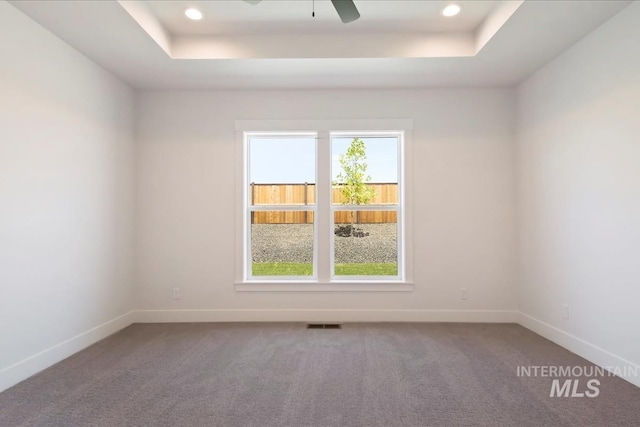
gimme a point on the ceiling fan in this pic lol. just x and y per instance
(346, 9)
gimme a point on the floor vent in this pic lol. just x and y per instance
(324, 326)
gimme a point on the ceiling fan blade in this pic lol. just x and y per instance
(346, 10)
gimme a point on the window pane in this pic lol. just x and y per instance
(282, 243)
(381, 194)
(365, 243)
(282, 194)
(282, 170)
(364, 170)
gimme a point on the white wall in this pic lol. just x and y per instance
(578, 169)
(66, 198)
(463, 199)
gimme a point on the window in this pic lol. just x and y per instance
(323, 206)
(281, 206)
(364, 205)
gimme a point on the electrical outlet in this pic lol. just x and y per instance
(464, 294)
(565, 311)
(176, 293)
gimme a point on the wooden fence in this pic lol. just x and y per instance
(304, 195)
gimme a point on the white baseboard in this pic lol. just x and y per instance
(19, 371)
(582, 348)
(326, 316)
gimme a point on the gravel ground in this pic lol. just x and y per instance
(294, 243)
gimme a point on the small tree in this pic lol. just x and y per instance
(353, 179)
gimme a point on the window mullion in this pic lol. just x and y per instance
(323, 194)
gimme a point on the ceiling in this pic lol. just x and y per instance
(278, 45)
(287, 17)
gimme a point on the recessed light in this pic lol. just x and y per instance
(194, 14)
(451, 10)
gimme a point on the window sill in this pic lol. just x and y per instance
(324, 287)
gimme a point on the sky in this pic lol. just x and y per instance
(292, 160)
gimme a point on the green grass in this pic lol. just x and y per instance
(299, 269)
(369, 269)
(282, 269)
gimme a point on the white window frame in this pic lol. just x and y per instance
(323, 278)
(249, 208)
(372, 207)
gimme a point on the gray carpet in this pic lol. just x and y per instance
(285, 375)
